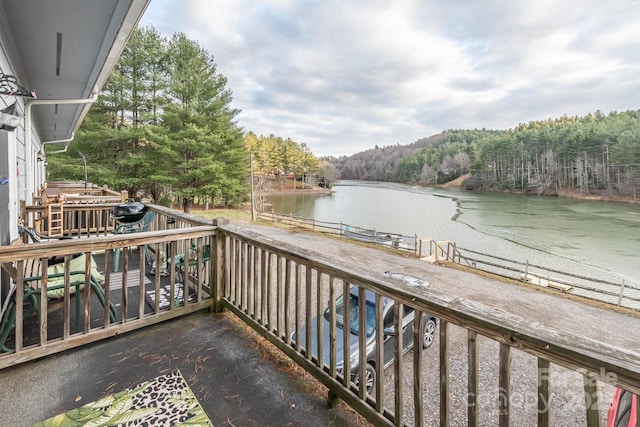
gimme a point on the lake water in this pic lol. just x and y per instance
(590, 238)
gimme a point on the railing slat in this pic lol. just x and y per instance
(141, 278)
(362, 343)
(591, 401)
(107, 287)
(544, 411)
(244, 286)
(156, 286)
(66, 315)
(504, 385)
(264, 286)
(444, 374)
(44, 324)
(418, 382)
(19, 328)
(86, 293)
(279, 300)
(124, 304)
(473, 389)
(254, 280)
(332, 328)
(398, 383)
(173, 250)
(235, 270)
(297, 301)
(308, 312)
(319, 311)
(218, 266)
(287, 301)
(345, 337)
(379, 354)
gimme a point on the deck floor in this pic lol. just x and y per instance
(235, 380)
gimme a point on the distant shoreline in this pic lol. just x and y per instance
(457, 184)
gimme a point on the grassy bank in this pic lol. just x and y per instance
(240, 214)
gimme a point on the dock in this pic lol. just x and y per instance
(547, 282)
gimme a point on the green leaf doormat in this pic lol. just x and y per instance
(164, 401)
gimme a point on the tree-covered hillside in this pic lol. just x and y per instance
(594, 153)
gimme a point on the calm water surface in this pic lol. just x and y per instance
(591, 238)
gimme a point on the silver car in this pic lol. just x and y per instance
(428, 328)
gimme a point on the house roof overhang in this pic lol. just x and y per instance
(65, 49)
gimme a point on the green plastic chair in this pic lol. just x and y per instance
(134, 227)
(201, 259)
(55, 291)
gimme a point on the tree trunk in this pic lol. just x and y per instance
(186, 205)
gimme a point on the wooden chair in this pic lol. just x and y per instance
(134, 227)
(32, 292)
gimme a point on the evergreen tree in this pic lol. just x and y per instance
(163, 126)
(207, 150)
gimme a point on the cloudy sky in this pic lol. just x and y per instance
(343, 76)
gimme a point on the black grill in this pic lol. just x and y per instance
(129, 212)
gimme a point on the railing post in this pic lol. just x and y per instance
(218, 266)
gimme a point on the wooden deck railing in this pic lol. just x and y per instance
(77, 220)
(278, 289)
(111, 302)
(78, 192)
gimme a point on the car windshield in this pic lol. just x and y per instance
(354, 315)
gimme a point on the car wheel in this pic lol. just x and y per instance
(428, 333)
(369, 379)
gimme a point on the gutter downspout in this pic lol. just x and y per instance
(59, 141)
(29, 190)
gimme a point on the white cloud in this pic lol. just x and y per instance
(343, 76)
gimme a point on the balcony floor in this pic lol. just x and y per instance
(235, 380)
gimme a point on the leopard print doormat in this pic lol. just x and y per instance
(164, 401)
